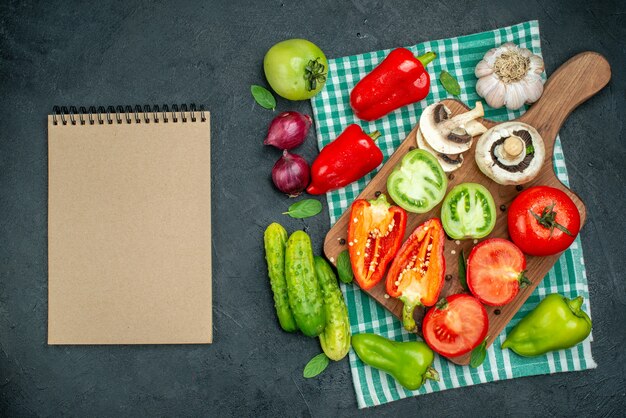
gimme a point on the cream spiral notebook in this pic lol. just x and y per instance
(129, 225)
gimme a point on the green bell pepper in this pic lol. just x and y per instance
(408, 362)
(555, 324)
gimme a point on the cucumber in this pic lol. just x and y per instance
(305, 295)
(335, 340)
(275, 239)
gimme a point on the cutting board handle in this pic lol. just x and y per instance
(572, 83)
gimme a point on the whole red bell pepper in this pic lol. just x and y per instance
(400, 79)
(348, 158)
(375, 232)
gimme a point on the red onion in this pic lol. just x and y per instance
(291, 174)
(288, 130)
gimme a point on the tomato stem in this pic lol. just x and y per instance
(547, 219)
(314, 72)
(523, 280)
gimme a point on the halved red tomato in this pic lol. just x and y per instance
(417, 273)
(456, 325)
(495, 271)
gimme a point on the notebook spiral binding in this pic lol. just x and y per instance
(126, 114)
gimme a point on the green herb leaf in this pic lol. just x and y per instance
(478, 355)
(449, 83)
(315, 366)
(263, 97)
(463, 270)
(304, 209)
(344, 268)
(530, 149)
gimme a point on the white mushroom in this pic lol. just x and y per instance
(449, 163)
(473, 127)
(510, 153)
(445, 134)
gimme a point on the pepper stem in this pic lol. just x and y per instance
(407, 318)
(575, 304)
(374, 135)
(427, 58)
(431, 374)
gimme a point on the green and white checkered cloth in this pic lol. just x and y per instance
(332, 112)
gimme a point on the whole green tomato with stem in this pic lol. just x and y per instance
(296, 69)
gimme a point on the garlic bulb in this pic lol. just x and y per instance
(509, 76)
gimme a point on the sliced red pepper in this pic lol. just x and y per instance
(400, 79)
(416, 275)
(348, 158)
(374, 236)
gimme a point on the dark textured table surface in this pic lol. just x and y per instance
(211, 52)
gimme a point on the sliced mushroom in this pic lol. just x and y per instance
(473, 127)
(449, 163)
(445, 134)
(510, 153)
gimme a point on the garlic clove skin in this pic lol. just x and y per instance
(483, 69)
(509, 46)
(536, 64)
(490, 56)
(525, 52)
(486, 84)
(533, 86)
(496, 97)
(515, 96)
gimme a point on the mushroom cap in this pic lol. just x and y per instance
(436, 136)
(488, 147)
(447, 166)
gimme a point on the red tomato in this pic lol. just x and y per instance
(456, 325)
(543, 221)
(495, 271)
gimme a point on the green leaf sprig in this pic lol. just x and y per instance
(344, 267)
(449, 83)
(304, 209)
(316, 366)
(478, 355)
(463, 270)
(263, 97)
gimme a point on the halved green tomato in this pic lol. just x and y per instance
(418, 183)
(468, 211)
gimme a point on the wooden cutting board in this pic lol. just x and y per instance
(574, 82)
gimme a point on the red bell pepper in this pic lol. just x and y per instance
(400, 79)
(416, 275)
(348, 158)
(375, 232)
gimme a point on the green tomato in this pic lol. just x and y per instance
(418, 183)
(468, 211)
(296, 69)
